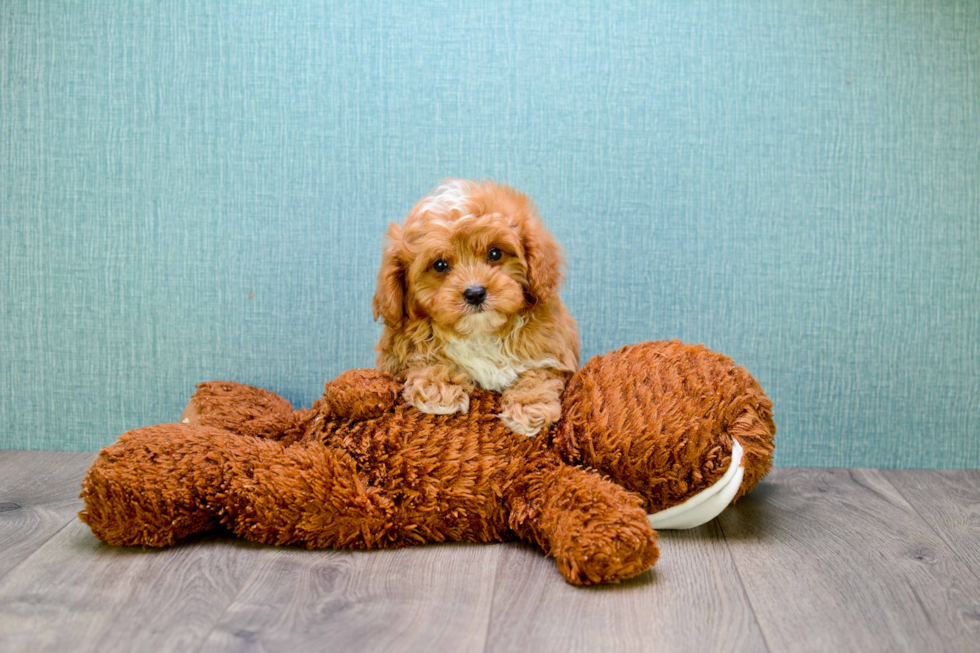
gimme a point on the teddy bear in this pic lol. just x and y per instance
(657, 434)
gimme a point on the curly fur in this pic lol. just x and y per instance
(641, 429)
(703, 401)
(444, 347)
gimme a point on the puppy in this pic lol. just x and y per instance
(468, 293)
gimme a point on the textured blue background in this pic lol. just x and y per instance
(198, 190)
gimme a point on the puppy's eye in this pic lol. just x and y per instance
(440, 266)
(494, 254)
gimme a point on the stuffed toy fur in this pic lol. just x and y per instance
(656, 433)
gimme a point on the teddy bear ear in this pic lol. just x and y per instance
(389, 296)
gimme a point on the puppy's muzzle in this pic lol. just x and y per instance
(475, 295)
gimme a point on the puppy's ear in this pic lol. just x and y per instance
(389, 297)
(544, 260)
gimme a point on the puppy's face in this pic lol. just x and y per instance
(469, 257)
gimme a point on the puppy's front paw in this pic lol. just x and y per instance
(529, 419)
(435, 397)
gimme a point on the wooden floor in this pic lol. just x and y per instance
(814, 559)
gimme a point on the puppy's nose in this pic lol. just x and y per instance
(474, 295)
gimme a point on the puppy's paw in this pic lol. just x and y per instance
(531, 418)
(436, 397)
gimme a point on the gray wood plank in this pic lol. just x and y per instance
(949, 501)
(76, 593)
(829, 559)
(428, 598)
(838, 560)
(38, 496)
(691, 600)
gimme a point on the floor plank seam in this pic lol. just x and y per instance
(217, 621)
(949, 545)
(493, 599)
(38, 547)
(745, 591)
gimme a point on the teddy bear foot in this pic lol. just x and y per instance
(140, 492)
(595, 560)
(596, 531)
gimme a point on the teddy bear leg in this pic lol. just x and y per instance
(150, 488)
(159, 484)
(306, 494)
(596, 530)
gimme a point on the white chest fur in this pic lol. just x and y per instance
(489, 363)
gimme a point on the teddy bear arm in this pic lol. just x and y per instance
(596, 530)
(242, 409)
(359, 394)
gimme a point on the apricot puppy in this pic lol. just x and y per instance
(468, 292)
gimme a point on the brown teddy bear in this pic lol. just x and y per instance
(661, 427)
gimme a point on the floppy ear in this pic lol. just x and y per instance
(389, 297)
(544, 260)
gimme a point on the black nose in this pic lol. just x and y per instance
(474, 295)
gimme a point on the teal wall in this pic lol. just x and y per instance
(198, 190)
